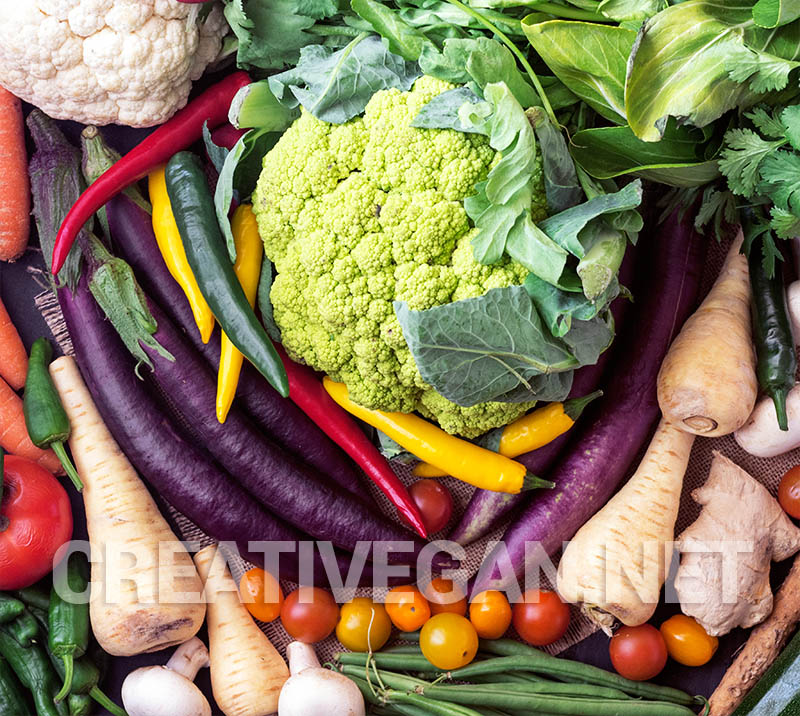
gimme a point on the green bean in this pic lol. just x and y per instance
(402, 649)
(388, 660)
(517, 678)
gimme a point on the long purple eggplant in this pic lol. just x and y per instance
(132, 230)
(615, 428)
(487, 509)
(183, 474)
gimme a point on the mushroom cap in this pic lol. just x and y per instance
(159, 691)
(320, 692)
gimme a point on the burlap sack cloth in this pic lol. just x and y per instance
(768, 471)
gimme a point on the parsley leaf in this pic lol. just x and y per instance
(741, 159)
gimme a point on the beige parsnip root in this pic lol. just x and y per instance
(723, 578)
(616, 564)
(707, 383)
(247, 672)
(763, 646)
(146, 593)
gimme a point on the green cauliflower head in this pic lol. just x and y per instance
(357, 215)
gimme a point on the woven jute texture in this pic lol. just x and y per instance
(768, 471)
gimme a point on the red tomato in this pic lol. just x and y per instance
(35, 519)
(789, 492)
(638, 653)
(541, 617)
(435, 503)
(309, 614)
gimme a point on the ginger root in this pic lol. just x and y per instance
(723, 578)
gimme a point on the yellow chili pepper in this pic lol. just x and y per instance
(531, 431)
(461, 459)
(171, 248)
(249, 253)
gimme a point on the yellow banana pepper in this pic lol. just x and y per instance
(461, 459)
(249, 254)
(171, 247)
(530, 432)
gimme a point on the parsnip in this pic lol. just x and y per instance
(707, 383)
(146, 593)
(247, 672)
(761, 436)
(616, 564)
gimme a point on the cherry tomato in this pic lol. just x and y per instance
(444, 596)
(407, 608)
(490, 614)
(435, 503)
(638, 653)
(789, 492)
(261, 594)
(363, 625)
(448, 641)
(35, 518)
(540, 618)
(309, 614)
(687, 642)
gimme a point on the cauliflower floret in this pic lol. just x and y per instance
(106, 61)
(357, 215)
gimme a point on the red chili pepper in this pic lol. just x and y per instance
(227, 135)
(306, 390)
(177, 134)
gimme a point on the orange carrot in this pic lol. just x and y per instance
(15, 207)
(14, 435)
(13, 358)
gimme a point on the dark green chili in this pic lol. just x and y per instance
(79, 705)
(68, 622)
(10, 608)
(45, 417)
(12, 697)
(23, 628)
(193, 207)
(772, 333)
(34, 596)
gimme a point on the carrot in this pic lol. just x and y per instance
(247, 672)
(149, 592)
(707, 384)
(15, 190)
(616, 564)
(13, 358)
(14, 435)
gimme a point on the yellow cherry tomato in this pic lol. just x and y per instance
(448, 641)
(444, 596)
(261, 594)
(407, 608)
(490, 614)
(363, 625)
(687, 642)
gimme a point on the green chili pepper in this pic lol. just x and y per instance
(45, 417)
(35, 673)
(34, 596)
(68, 623)
(12, 698)
(79, 705)
(772, 333)
(23, 629)
(10, 608)
(193, 208)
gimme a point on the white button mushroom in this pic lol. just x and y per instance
(169, 690)
(314, 691)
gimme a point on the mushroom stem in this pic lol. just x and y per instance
(189, 658)
(301, 657)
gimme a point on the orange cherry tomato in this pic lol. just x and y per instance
(407, 608)
(261, 594)
(541, 617)
(687, 642)
(789, 492)
(448, 641)
(638, 653)
(309, 614)
(444, 596)
(490, 614)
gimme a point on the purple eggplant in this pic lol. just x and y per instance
(487, 509)
(615, 429)
(132, 232)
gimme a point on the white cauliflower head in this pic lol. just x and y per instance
(106, 61)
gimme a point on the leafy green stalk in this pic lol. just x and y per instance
(599, 267)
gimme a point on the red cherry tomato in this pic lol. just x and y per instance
(541, 617)
(435, 503)
(309, 614)
(789, 492)
(35, 519)
(638, 653)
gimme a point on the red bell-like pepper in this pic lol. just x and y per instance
(306, 390)
(177, 134)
